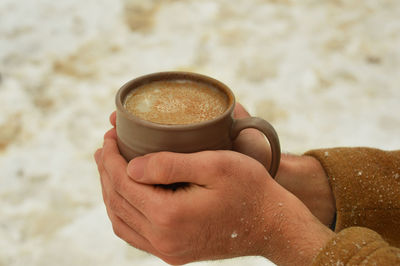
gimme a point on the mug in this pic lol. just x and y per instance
(136, 136)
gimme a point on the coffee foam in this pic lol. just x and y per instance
(176, 102)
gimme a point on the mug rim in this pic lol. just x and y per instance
(173, 75)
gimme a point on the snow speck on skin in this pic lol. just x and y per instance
(234, 234)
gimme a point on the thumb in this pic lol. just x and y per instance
(201, 168)
(113, 118)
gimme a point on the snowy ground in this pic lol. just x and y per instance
(325, 73)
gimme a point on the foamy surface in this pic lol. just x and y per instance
(324, 73)
(176, 102)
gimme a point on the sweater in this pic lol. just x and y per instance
(366, 187)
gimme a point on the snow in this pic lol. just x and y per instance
(234, 234)
(324, 74)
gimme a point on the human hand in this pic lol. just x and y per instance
(230, 207)
(301, 175)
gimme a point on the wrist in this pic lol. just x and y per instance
(296, 236)
(309, 238)
(306, 179)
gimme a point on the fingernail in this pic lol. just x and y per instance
(136, 168)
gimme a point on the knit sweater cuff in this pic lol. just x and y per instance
(365, 183)
(357, 246)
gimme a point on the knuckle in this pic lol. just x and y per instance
(117, 230)
(169, 247)
(163, 167)
(168, 239)
(106, 156)
(121, 209)
(115, 177)
(168, 217)
(126, 216)
(114, 203)
(116, 182)
(225, 166)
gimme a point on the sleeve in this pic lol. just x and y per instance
(357, 246)
(366, 186)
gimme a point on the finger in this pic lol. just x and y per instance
(202, 168)
(104, 194)
(248, 135)
(138, 195)
(120, 207)
(101, 171)
(123, 209)
(97, 156)
(126, 233)
(114, 164)
(113, 118)
(251, 141)
(112, 133)
(102, 177)
(240, 111)
(254, 145)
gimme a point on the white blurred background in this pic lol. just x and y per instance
(325, 73)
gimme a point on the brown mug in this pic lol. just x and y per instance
(137, 136)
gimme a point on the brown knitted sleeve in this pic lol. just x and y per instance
(366, 186)
(357, 246)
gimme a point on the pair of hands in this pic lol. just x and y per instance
(230, 206)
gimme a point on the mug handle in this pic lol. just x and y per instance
(267, 129)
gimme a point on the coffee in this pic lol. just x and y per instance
(176, 102)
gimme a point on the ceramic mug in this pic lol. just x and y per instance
(137, 136)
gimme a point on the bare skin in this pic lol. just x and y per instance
(231, 207)
(301, 175)
(306, 179)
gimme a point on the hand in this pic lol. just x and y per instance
(301, 175)
(230, 207)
